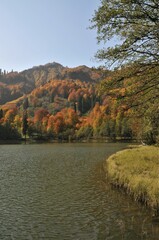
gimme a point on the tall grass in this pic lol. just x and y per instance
(137, 171)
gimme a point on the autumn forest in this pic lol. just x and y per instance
(53, 102)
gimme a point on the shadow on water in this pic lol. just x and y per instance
(124, 220)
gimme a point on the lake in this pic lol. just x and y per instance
(59, 191)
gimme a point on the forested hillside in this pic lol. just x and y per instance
(53, 102)
(14, 85)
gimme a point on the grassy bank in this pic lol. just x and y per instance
(137, 171)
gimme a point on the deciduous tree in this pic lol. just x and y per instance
(135, 23)
(135, 26)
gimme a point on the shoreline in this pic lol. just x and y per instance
(135, 171)
(90, 140)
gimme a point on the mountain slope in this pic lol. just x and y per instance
(14, 85)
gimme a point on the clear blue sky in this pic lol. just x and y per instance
(36, 32)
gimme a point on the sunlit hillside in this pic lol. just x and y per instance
(14, 85)
(56, 102)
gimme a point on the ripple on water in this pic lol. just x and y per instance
(59, 191)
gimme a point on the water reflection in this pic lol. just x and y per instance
(60, 191)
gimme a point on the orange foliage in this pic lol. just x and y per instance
(40, 114)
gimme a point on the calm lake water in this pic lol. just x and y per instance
(59, 191)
